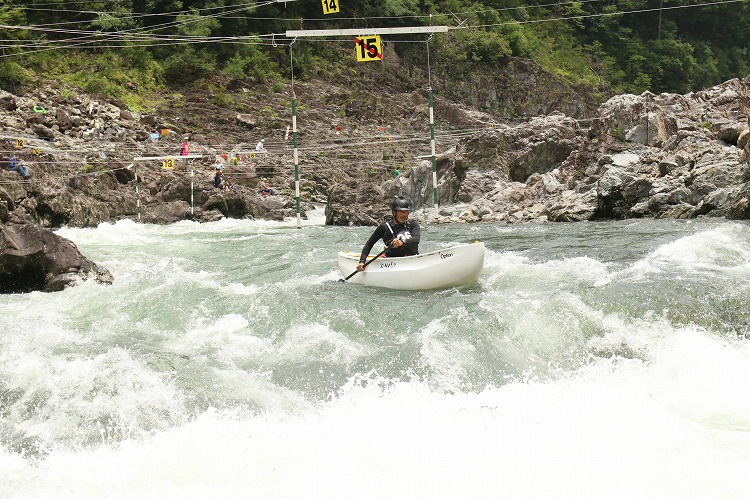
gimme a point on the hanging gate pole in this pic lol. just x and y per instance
(296, 161)
(432, 133)
(192, 188)
(294, 139)
(137, 192)
(432, 149)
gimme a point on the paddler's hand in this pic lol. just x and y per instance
(361, 267)
(397, 243)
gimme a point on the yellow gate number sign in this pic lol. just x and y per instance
(167, 164)
(368, 49)
(19, 143)
(330, 6)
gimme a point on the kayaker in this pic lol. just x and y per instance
(401, 235)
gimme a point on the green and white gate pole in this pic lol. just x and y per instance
(432, 149)
(296, 161)
(192, 188)
(137, 192)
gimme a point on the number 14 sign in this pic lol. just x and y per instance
(330, 6)
(368, 49)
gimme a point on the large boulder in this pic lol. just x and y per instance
(37, 259)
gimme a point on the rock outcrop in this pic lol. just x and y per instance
(655, 156)
(92, 161)
(37, 259)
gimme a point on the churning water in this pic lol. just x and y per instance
(590, 360)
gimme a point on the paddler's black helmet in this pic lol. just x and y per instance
(400, 204)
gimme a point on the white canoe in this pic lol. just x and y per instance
(437, 269)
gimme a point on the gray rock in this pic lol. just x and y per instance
(37, 259)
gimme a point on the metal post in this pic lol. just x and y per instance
(296, 161)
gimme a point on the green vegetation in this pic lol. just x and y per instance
(89, 168)
(128, 48)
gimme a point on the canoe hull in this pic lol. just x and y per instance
(443, 268)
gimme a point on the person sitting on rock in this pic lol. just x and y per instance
(15, 165)
(263, 188)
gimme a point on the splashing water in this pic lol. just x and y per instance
(589, 360)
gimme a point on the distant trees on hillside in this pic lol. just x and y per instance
(630, 45)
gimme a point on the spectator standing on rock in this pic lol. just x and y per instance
(218, 178)
(98, 127)
(185, 148)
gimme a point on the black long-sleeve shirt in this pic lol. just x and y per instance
(409, 232)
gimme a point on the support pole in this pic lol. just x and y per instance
(192, 188)
(296, 161)
(432, 149)
(137, 192)
(361, 32)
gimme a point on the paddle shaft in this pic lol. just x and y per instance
(368, 262)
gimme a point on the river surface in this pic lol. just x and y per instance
(590, 360)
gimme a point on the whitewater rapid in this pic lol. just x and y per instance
(589, 360)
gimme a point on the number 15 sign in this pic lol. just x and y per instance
(368, 49)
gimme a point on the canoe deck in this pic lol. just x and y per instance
(441, 268)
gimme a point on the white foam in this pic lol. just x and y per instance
(625, 427)
(556, 378)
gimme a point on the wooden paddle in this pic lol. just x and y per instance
(366, 264)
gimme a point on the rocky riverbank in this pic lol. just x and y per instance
(653, 156)
(92, 160)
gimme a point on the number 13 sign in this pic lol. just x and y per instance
(368, 49)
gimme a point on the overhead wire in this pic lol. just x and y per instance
(608, 14)
(128, 34)
(149, 36)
